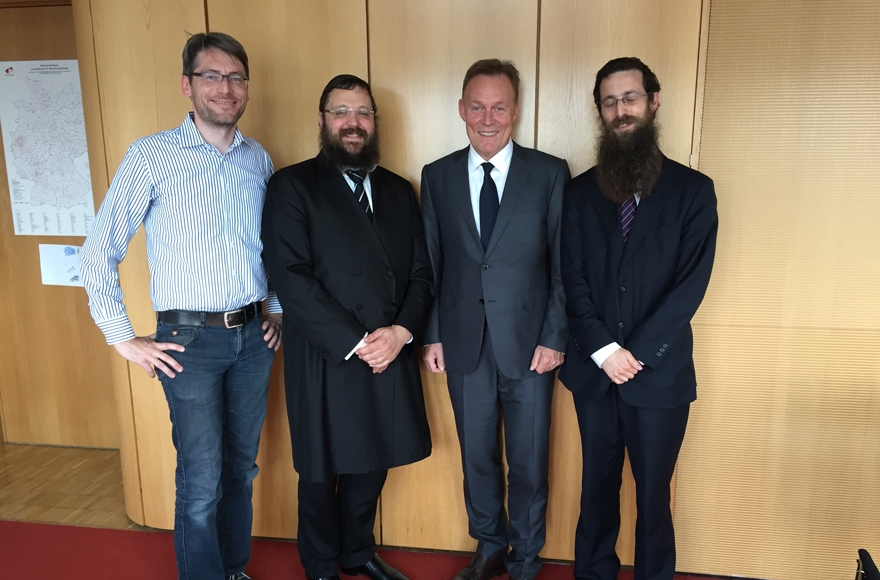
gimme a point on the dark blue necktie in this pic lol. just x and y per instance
(488, 205)
(360, 193)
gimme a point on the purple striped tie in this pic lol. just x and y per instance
(627, 215)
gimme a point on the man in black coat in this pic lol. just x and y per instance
(345, 250)
(638, 243)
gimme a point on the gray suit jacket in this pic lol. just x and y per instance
(515, 286)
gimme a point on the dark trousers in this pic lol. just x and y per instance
(477, 401)
(336, 520)
(653, 439)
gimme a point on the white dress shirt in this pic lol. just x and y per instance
(201, 210)
(501, 161)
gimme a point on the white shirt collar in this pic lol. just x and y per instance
(500, 160)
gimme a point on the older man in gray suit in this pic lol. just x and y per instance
(492, 216)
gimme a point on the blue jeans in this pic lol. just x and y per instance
(217, 405)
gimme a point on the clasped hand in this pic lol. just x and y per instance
(382, 346)
(621, 366)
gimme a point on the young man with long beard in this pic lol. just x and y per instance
(346, 252)
(638, 243)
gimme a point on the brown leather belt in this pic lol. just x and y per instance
(231, 319)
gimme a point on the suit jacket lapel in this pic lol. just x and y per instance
(384, 209)
(610, 219)
(648, 211)
(461, 188)
(338, 191)
(513, 189)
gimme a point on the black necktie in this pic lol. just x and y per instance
(488, 205)
(360, 193)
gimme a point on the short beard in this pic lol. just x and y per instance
(366, 159)
(628, 163)
(214, 121)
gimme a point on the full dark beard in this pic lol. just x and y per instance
(628, 163)
(366, 159)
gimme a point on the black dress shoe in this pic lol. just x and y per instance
(375, 569)
(484, 567)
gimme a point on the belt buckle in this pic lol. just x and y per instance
(233, 312)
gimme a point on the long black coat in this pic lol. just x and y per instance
(339, 276)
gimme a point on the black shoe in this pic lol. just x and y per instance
(375, 569)
(484, 567)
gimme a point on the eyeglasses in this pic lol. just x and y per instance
(216, 78)
(342, 112)
(627, 99)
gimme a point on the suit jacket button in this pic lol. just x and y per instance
(357, 272)
(619, 325)
(623, 288)
(659, 354)
(485, 266)
(662, 350)
(390, 272)
(482, 301)
(359, 306)
(665, 346)
(392, 305)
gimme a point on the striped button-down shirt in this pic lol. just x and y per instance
(201, 212)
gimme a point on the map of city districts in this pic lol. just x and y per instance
(45, 144)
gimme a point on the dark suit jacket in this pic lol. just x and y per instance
(338, 276)
(515, 285)
(643, 294)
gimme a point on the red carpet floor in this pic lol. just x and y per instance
(46, 551)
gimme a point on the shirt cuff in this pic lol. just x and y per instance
(408, 340)
(361, 344)
(272, 304)
(116, 329)
(603, 353)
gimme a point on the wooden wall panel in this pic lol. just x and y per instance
(33, 3)
(780, 474)
(419, 52)
(577, 38)
(295, 47)
(57, 386)
(137, 50)
(116, 367)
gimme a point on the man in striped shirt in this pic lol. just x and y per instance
(199, 191)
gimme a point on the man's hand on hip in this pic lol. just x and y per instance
(383, 346)
(434, 357)
(545, 359)
(148, 353)
(272, 326)
(621, 366)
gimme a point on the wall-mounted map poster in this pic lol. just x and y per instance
(44, 141)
